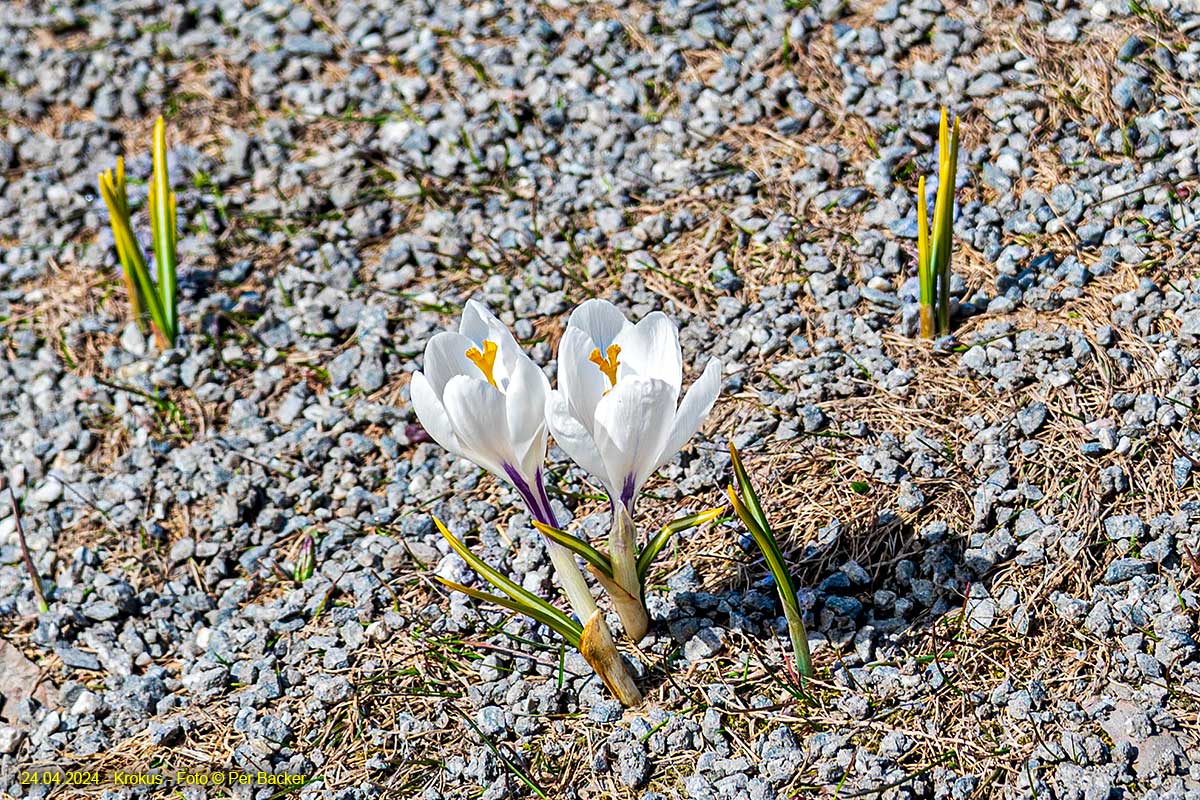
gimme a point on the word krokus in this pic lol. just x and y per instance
(217, 778)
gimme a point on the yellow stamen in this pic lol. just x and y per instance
(607, 365)
(486, 361)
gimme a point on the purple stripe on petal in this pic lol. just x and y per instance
(522, 487)
(541, 487)
(627, 493)
(533, 499)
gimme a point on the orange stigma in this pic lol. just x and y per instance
(486, 361)
(607, 365)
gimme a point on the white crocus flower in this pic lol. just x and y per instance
(617, 414)
(482, 398)
(616, 411)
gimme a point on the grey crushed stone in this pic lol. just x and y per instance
(528, 149)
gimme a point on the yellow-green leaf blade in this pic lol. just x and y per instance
(577, 546)
(502, 582)
(660, 539)
(571, 632)
(746, 489)
(924, 273)
(783, 582)
(162, 221)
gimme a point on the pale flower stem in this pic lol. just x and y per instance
(621, 541)
(579, 595)
(596, 644)
(630, 606)
(572, 581)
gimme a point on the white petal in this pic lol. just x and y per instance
(651, 349)
(445, 357)
(432, 413)
(479, 324)
(632, 424)
(477, 412)
(575, 440)
(535, 457)
(694, 409)
(600, 320)
(525, 409)
(579, 378)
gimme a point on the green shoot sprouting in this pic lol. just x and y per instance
(156, 296)
(933, 252)
(750, 511)
(306, 560)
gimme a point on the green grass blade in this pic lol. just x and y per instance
(571, 633)
(508, 763)
(660, 539)
(936, 254)
(577, 546)
(926, 279)
(153, 304)
(171, 301)
(504, 584)
(112, 189)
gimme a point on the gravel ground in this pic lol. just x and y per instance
(998, 533)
